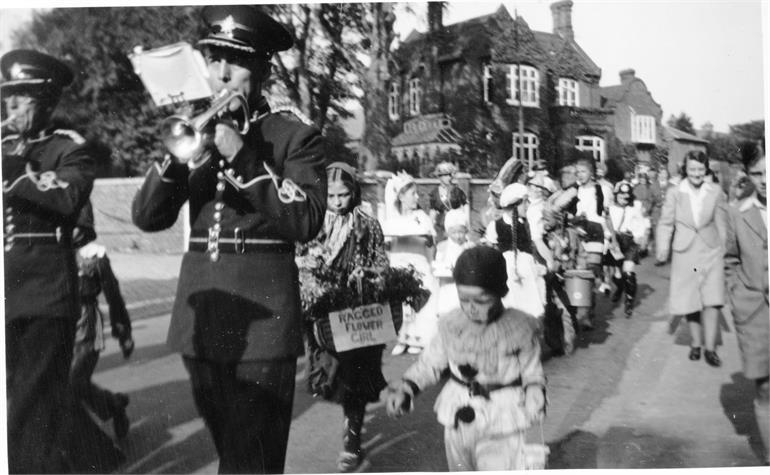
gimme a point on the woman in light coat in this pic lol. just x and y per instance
(692, 228)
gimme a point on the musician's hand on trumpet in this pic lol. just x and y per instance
(227, 140)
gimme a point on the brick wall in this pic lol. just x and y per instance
(112, 197)
(111, 200)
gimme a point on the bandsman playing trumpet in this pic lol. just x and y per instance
(236, 318)
(47, 179)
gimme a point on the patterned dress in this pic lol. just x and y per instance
(357, 242)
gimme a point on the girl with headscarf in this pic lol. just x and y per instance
(411, 235)
(353, 245)
(447, 251)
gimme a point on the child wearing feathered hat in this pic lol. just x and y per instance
(410, 233)
(496, 386)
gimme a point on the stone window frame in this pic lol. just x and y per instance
(394, 101)
(530, 83)
(642, 128)
(486, 82)
(566, 87)
(415, 95)
(530, 147)
(597, 146)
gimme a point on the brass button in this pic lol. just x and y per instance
(220, 186)
(219, 206)
(9, 228)
(220, 176)
(214, 256)
(217, 216)
(217, 227)
(9, 219)
(221, 164)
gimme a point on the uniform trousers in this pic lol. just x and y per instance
(247, 408)
(470, 449)
(38, 355)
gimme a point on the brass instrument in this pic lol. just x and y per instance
(7, 121)
(184, 136)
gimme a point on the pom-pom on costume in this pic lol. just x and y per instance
(482, 405)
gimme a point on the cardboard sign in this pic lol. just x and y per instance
(363, 326)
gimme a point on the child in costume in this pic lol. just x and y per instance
(447, 251)
(496, 388)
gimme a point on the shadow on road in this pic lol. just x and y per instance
(620, 447)
(737, 401)
(170, 442)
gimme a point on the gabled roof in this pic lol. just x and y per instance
(613, 93)
(677, 134)
(453, 39)
(537, 46)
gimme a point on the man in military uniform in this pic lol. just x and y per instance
(236, 318)
(47, 178)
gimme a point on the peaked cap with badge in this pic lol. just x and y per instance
(246, 28)
(30, 69)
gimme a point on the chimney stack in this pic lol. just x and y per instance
(627, 75)
(562, 19)
(435, 16)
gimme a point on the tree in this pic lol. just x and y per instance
(378, 40)
(107, 103)
(320, 74)
(682, 122)
(753, 130)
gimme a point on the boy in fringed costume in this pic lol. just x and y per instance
(496, 388)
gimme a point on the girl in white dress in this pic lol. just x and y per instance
(447, 251)
(411, 235)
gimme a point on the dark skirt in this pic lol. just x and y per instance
(346, 376)
(628, 247)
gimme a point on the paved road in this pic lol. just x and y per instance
(628, 398)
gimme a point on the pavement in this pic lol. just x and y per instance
(627, 398)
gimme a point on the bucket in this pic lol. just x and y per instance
(593, 258)
(579, 284)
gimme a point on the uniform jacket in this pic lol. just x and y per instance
(677, 229)
(498, 352)
(46, 183)
(746, 259)
(241, 306)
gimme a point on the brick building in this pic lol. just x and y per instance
(471, 78)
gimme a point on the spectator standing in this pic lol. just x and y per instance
(251, 198)
(692, 228)
(445, 197)
(47, 178)
(747, 284)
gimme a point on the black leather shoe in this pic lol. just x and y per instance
(120, 422)
(712, 358)
(695, 353)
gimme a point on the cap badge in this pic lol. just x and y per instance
(227, 26)
(17, 72)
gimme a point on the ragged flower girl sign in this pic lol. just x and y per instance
(358, 327)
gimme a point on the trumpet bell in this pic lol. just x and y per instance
(182, 138)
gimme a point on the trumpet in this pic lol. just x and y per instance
(184, 137)
(8, 120)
